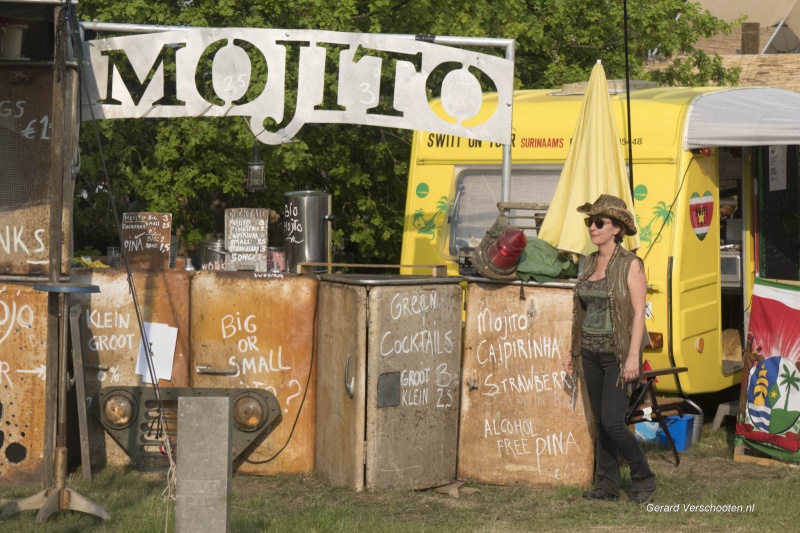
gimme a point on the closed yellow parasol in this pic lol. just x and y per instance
(594, 166)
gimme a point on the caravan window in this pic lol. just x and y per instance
(475, 196)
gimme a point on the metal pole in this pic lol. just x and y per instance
(54, 263)
(505, 191)
(628, 96)
(772, 37)
(118, 27)
(489, 42)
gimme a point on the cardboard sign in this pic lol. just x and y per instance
(246, 238)
(146, 239)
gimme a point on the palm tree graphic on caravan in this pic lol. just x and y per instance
(663, 213)
(428, 226)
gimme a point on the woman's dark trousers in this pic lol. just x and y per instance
(609, 402)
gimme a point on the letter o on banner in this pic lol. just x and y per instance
(462, 98)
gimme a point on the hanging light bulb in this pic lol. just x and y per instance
(256, 180)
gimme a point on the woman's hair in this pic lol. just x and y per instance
(621, 235)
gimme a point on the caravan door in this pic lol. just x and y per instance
(694, 278)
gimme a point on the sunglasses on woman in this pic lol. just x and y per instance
(598, 222)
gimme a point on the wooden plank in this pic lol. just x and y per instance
(80, 390)
(518, 420)
(309, 268)
(342, 370)
(451, 489)
(740, 456)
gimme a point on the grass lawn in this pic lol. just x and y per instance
(706, 477)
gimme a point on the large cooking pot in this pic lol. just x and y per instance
(306, 216)
(213, 253)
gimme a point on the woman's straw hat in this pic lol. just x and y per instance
(611, 207)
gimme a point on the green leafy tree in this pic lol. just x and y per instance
(194, 167)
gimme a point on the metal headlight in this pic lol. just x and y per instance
(119, 409)
(249, 412)
(130, 415)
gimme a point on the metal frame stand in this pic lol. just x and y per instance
(59, 497)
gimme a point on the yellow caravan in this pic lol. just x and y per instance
(704, 170)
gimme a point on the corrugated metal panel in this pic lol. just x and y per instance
(518, 422)
(23, 343)
(110, 336)
(261, 328)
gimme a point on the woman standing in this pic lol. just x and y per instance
(607, 332)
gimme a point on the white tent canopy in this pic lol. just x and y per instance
(743, 117)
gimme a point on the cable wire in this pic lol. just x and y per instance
(305, 392)
(670, 211)
(163, 428)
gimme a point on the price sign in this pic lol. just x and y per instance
(246, 237)
(146, 239)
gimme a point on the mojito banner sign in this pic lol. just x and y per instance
(381, 80)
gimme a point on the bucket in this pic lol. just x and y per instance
(11, 40)
(212, 253)
(697, 429)
(306, 215)
(681, 429)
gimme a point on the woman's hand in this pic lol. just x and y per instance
(568, 365)
(630, 371)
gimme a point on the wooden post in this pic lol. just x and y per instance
(750, 38)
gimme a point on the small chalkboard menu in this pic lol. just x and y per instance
(146, 239)
(246, 237)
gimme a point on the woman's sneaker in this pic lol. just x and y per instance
(641, 496)
(599, 494)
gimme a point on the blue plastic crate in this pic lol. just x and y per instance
(680, 428)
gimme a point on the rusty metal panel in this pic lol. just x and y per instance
(110, 336)
(518, 421)
(341, 375)
(260, 329)
(26, 133)
(412, 385)
(23, 354)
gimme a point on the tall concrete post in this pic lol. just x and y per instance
(203, 494)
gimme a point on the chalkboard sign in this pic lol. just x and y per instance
(522, 417)
(146, 238)
(246, 238)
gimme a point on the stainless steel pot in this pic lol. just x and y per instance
(213, 253)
